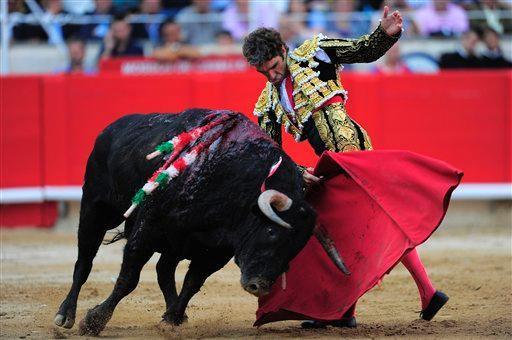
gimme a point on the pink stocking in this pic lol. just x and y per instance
(414, 265)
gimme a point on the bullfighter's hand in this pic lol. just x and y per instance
(309, 178)
(391, 24)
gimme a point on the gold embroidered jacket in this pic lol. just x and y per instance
(314, 83)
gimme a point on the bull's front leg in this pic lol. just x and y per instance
(201, 267)
(136, 253)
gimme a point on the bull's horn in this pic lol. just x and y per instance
(273, 198)
(329, 247)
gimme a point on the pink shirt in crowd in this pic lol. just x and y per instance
(261, 14)
(452, 21)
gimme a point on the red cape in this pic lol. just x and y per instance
(376, 205)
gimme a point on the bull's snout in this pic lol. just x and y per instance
(257, 286)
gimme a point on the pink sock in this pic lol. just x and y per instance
(414, 265)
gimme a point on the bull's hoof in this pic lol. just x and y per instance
(65, 317)
(64, 321)
(174, 320)
(94, 322)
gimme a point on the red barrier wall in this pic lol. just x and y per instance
(28, 214)
(49, 123)
(21, 148)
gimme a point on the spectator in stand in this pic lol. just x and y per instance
(235, 19)
(241, 16)
(318, 15)
(197, 23)
(126, 6)
(225, 45)
(393, 62)
(219, 5)
(492, 9)
(350, 24)
(493, 56)
(417, 4)
(465, 56)
(76, 57)
(18, 32)
(468, 5)
(264, 14)
(15, 6)
(370, 5)
(291, 32)
(56, 32)
(78, 7)
(224, 38)
(98, 31)
(172, 7)
(441, 18)
(118, 41)
(173, 48)
(148, 31)
(298, 12)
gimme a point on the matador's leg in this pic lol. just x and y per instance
(431, 299)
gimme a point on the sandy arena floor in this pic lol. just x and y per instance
(472, 265)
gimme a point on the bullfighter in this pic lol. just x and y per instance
(304, 94)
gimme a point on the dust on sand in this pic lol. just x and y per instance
(472, 266)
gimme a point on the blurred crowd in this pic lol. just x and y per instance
(177, 28)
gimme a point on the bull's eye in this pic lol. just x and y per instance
(271, 232)
(303, 212)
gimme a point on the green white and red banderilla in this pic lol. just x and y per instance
(178, 143)
(186, 138)
(165, 174)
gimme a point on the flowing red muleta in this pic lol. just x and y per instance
(376, 206)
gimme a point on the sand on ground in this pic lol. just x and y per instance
(473, 266)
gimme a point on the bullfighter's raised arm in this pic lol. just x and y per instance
(367, 48)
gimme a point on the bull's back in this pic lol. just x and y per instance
(117, 167)
(117, 164)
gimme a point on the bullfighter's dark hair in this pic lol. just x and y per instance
(263, 44)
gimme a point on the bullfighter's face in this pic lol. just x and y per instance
(267, 248)
(275, 69)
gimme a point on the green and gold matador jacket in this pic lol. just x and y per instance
(315, 81)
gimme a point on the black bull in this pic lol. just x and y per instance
(213, 211)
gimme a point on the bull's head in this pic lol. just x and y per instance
(279, 228)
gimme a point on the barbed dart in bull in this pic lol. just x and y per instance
(170, 171)
(185, 138)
